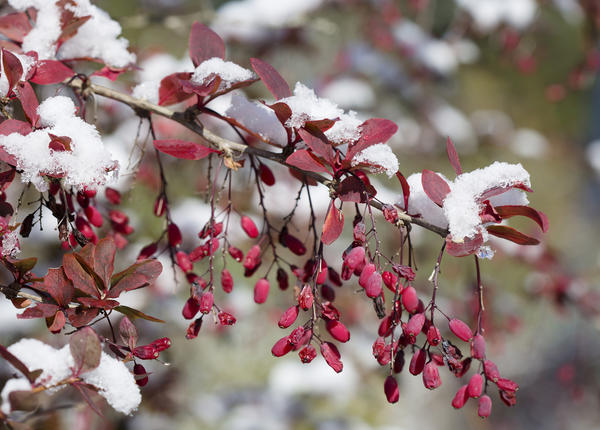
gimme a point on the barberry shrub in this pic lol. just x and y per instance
(251, 157)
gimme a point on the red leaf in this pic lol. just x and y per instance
(80, 316)
(453, 156)
(271, 78)
(183, 149)
(15, 26)
(9, 126)
(513, 210)
(434, 186)
(29, 101)
(353, 189)
(57, 285)
(109, 73)
(104, 257)
(467, 247)
(511, 234)
(372, 132)
(205, 44)
(82, 280)
(319, 145)
(333, 226)
(41, 310)
(303, 160)
(136, 276)
(51, 72)
(12, 68)
(282, 111)
(171, 89)
(90, 302)
(405, 188)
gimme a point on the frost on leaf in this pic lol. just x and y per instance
(87, 164)
(229, 73)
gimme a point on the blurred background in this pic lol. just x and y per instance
(507, 80)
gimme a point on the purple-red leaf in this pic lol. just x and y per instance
(82, 280)
(171, 89)
(333, 225)
(464, 248)
(271, 78)
(513, 210)
(51, 72)
(29, 101)
(453, 156)
(405, 188)
(41, 310)
(318, 144)
(9, 126)
(353, 189)
(12, 68)
(183, 149)
(205, 44)
(15, 26)
(372, 132)
(511, 234)
(57, 285)
(86, 350)
(303, 160)
(109, 73)
(138, 275)
(434, 186)
(104, 257)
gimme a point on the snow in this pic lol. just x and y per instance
(98, 37)
(381, 156)
(350, 93)
(254, 20)
(229, 72)
(153, 70)
(462, 206)
(529, 143)
(14, 384)
(26, 63)
(253, 115)
(420, 204)
(112, 378)
(489, 14)
(88, 164)
(306, 106)
(449, 121)
(10, 243)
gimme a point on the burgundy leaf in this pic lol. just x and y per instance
(372, 132)
(12, 68)
(138, 275)
(51, 72)
(86, 350)
(353, 189)
(9, 126)
(57, 285)
(80, 316)
(513, 210)
(109, 73)
(15, 26)
(303, 160)
(333, 226)
(462, 249)
(29, 101)
(104, 257)
(82, 279)
(171, 89)
(282, 111)
(511, 234)
(405, 189)
(205, 44)
(434, 186)
(90, 302)
(453, 156)
(271, 78)
(17, 364)
(318, 144)
(41, 310)
(70, 28)
(183, 149)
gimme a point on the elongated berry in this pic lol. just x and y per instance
(322, 275)
(409, 299)
(475, 386)
(174, 235)
(431, 376)
(366, 273)
(161, 344)
(112, 195)
(252, 259)
(390, 280)
(373, 285)
(478, 347)
(332, 356)
(225, 318)
(293, 244)
(355, 257)
(414, 325)
(289, 317)
(249, 227)
(193, 329)
(417, 362)
(491, 370)
(507, 385)
(390, 387)
(434, 336)
(281, 347)
(236, 253)
(484, 409)
(306, 297)
(338, 330)
(140, 375)
(460, 329)
(261, 290)
(307, 354)
(460, 398)
(145, 352)
(93, 216)
(266, 175)
(191, 308)
(226, 281)
(183, 261)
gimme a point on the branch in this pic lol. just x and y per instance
(228, 147)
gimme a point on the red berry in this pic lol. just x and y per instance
(174, 235)
(145, 352)
(161, 344)
(366, 273)
(306, 298)
(307, 354)
(460, 329)
(475, 386)
(193, 329)
(507, 385)
(206, 302)
(373, 285)
(191, 308)
(355, 257)
(226, 281)
(332, 356)
(484, 408)
(93, 216)
(390, 280)
(478, 347)
(491, 370)
(235, 253)
(434, 336)
(390, 387)
(289, 317)
(281, 347)
(266, 175)
(282, 279)
(112, 195)
(431, 376)
(460, 398)
(414, 325)
(141, 377)
(183, 261)
(417, 362)
(410, 301)
(261, 290)
(225, 318)
(249, 227)
(338, 331)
